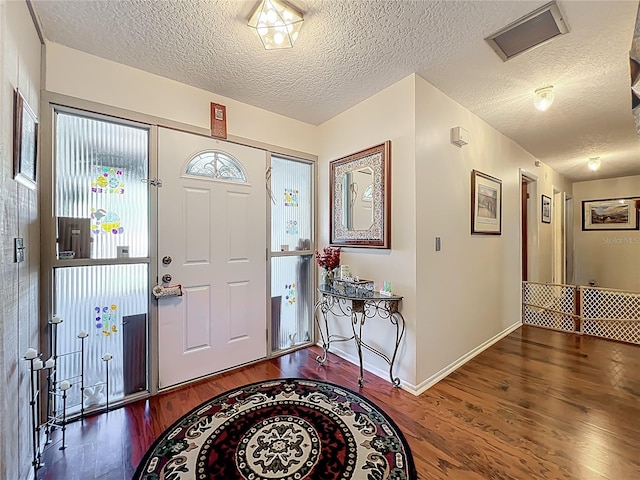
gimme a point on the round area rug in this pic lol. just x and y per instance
(290, 429)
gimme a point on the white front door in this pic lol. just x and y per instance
(214, 232)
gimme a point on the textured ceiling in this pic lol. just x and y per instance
(350, 50)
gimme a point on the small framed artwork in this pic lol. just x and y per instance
(218, 120)
(546, 209)
(25, 142)
(486, 204)
(610, 214)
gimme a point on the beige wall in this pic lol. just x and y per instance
(19, 67)
(468, 292)
(462, 297)
(387, 115)
(77, 74)
(610, 258)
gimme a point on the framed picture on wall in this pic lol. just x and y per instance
(25, 142)
(546, 209)
(486, 204)
(610, 214)
(218, 120)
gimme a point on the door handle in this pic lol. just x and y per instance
(166, 278)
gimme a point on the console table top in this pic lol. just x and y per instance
(368, 295)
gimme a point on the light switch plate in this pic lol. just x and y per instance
(438, 244)
(19, 250)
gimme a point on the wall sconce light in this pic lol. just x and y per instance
(276, 24)
(594, 163)
(544, 98)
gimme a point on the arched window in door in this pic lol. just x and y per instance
(215, 165)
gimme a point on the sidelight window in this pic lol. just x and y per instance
(292, 265)
(100, 277)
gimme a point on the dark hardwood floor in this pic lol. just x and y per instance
(536, 405)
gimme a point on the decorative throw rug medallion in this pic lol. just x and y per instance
(289, 429)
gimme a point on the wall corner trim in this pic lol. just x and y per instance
(433, 379)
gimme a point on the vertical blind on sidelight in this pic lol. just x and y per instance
(291, 231)
(102, 201)
(99, 300)
(291, 300)
(292, 197)
(99, 170)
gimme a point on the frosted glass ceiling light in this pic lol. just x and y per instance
(594, 163)
(544, 98)
(276, 24)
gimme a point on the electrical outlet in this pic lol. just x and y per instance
(19, 250)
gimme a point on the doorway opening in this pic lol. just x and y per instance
(569, 217)
(558, 224)
(528, 223)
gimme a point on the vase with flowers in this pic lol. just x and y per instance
(329, 260)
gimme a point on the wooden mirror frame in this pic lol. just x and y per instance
(378, 159)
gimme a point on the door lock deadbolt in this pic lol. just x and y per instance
(166, 260)
(166, 278)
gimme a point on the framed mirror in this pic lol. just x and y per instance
(360, 198)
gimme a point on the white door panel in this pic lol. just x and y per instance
(214, 231)
(197, 217)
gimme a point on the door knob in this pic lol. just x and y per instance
(166, 278)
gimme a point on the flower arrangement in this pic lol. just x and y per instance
(329, 258)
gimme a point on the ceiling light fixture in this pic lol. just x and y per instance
(276, 24)
(594, 163)
(544, 98)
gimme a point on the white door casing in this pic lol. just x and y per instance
(215, 233)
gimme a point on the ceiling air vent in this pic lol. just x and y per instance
(533, 30)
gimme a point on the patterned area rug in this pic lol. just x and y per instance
(290, 429)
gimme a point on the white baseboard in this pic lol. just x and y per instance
(368, 368)
(433, 379)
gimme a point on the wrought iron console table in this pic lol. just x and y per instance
(358, 307)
